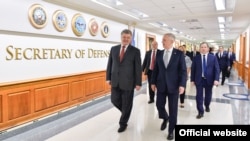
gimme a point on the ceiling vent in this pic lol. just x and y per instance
(195, 28)
(189, 20)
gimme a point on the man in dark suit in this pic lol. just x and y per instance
(169, 78)
(205, 73)
(223, 61)
(148, 66)
(232, 59)
(191, 54)
(124, 75)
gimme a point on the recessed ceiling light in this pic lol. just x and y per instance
(221, 19)
(220, 5)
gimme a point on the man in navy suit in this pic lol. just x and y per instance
(148, 67)
(205, 73)
(223, 61)
(124, 75)
(232, 59)
(169, 78)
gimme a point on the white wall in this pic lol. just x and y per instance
(25, 51)
(14, 17)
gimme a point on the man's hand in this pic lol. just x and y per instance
(181, 90)
(137, 87)
(216, 83)
(153, 87)
(192, 83)
(108, 82)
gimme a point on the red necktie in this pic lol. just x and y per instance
(122, 53)
(152, 61)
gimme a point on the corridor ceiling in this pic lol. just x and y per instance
(192, 20)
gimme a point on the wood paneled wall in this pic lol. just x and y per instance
(24, 102)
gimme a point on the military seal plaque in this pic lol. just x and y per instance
(60, 20)
(105, 29)
(78, 24)
(37, 16)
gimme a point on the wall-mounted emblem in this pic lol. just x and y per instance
(78, 24)
(93, 27)
(105, 29)
(37, 16)
(60, 20)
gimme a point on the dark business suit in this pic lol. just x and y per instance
(192, 54)
(189, 54)
(124, 76)
(224, 64)
(204, 81)
(167, 81)
(148, 71)
(232, 58)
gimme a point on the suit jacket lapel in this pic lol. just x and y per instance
(126, 52)
(172, 57)
(117, 52)
(208, 60)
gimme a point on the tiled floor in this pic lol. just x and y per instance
(98, 120)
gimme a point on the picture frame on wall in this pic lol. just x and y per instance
(149, 39)
(38, 16)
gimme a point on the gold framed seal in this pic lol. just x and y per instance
(60, 20)
(37, 16)
(78, 24)
(93, 27)
(105, 29)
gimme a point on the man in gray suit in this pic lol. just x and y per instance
(124, 74)
(169, 78)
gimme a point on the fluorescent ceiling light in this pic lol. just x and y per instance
(110, 7)
(138, 13)
(221, 25)
(109, 2)
(222, 30)
(162, 24)
(118, 3)
(128, 14)
(220, 5)
(154, 24)
(221, 19)
(102, 4)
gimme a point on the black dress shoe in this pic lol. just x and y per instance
(207, 110)
(199, 116)
(122, 128)
(164, 124)
(170, 136)
(150, 101)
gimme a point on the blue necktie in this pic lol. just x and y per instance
(204, 66)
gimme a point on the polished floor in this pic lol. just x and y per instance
(98, 119)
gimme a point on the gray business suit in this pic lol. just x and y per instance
(124, 76)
